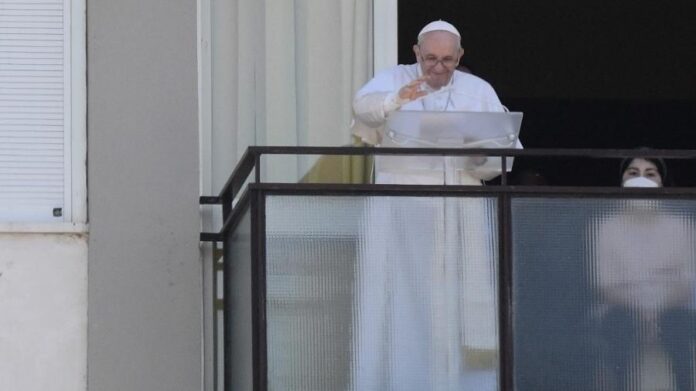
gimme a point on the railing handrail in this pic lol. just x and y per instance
(249, 162)
(495, 152)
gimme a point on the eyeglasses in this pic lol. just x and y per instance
(431, 61)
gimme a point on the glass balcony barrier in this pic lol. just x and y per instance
(359, 286)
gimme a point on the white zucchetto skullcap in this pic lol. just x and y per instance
(438, 25)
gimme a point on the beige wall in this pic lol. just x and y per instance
(43, 302)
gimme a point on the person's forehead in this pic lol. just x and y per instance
(642, 163)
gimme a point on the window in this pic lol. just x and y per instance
(42, 105)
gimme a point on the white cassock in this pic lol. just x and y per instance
(425, 311)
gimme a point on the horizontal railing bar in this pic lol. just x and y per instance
(493, 152)
(212, 236)
(459, 190)
(209, 200)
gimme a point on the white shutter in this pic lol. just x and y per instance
(35, 110)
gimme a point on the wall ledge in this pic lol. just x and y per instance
(44, 228)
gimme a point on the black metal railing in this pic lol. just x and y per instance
(244, 194)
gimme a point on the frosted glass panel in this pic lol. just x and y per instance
(604, 294)
(381, 293)
(310, 260)
(239, 304)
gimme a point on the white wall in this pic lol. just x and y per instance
(43, 304)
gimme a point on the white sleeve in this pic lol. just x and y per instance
(379, 97)
(370, 108)
(373, 103)
(373, 109)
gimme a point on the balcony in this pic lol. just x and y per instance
(334, 286)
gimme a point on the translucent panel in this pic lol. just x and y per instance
(382, 293)
(239, 304)
(604, 294)
(440, 129)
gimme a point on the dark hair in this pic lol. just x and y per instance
(659, 163)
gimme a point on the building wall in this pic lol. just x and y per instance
(43, 302)
(144, 297)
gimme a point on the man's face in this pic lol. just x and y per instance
(438, 55)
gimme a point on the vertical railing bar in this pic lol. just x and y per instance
(216, 386)
(505, 313)
(226, 316)
(503, 164)
(501, 294)
(263, 345)
(255, 245)
(257, 167)
(258, 288)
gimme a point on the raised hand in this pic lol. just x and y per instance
(412, 90)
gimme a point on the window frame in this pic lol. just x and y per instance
(385, 34)
(75, 132)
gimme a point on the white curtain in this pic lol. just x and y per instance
(276, 72)
(283, 72)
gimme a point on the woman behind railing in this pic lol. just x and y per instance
(645, 275)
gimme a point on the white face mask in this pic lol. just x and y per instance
(640, 181)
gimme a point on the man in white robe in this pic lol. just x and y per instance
(433, 83)
(426, 302)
